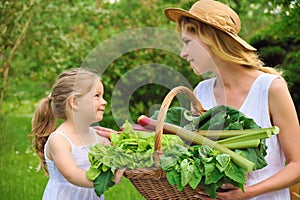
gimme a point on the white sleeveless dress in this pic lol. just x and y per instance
(256, 107)
(58, 188)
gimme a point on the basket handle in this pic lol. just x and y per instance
(162, 116)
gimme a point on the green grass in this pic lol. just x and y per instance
(18, 162)
(19, 179)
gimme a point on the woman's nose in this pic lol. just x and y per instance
(183, 53)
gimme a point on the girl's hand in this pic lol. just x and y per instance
(104, 132)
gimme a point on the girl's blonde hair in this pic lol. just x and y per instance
(223, 46)
(73, 82)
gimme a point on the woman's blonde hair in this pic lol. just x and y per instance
(73, 82)
(222, 45)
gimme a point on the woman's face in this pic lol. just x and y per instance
(196, 53)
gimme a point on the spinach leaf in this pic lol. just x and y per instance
(176, 115)
(103, 182)
(167, 162)
(187, 170)
(223, 160)
(197, 175)
(173, 177)
(212, 173)
(236, 173)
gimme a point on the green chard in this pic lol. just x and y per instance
(227, 143)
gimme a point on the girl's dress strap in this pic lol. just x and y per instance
(62, 134)
(95, 134)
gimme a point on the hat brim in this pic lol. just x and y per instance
(175, 13)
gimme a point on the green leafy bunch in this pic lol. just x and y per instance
(222, 117)
(202, 166)
(131, 149)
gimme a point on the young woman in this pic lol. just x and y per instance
(209, 31)
(77, 98)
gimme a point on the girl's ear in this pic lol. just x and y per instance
(73, 103)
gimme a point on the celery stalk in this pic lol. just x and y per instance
(243, 144)
(198, 139)
(222, 134)
(201, 137)
(249, 135)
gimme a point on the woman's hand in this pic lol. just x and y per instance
(104, 132)
(232, 193)
(229, 192)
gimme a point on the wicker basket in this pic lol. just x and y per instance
(152, 182)
(294, 192)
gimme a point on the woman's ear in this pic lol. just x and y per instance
(73, 103)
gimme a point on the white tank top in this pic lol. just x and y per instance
(256, 107)
(58, 188)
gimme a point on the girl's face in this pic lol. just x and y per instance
(196, 53)
(92, 105)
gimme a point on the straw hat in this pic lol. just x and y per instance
(215, 14)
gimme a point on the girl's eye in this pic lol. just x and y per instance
(97, 95)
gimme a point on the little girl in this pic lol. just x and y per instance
(77, 98)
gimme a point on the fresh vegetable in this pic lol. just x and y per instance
(197, 139)
(219, 129)
(220, 117)
(254, 134)
(131, 149)
(223, 122)
(202, 165)
(176, 115)
(233, 139)
(216, 156)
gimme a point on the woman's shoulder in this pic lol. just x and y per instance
(268, 81)
(278, 86)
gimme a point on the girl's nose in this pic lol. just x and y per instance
(104, 102)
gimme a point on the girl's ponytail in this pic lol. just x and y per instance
(43, 124)
(77, 81)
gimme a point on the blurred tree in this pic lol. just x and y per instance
(15, 20)
(279, 42)
(62, 34)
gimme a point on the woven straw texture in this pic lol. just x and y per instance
(152, 182)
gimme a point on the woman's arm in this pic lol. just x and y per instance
(283, 115)
(59, 150)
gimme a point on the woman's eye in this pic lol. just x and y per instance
(186, 42)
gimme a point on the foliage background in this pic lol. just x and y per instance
(40, 39)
